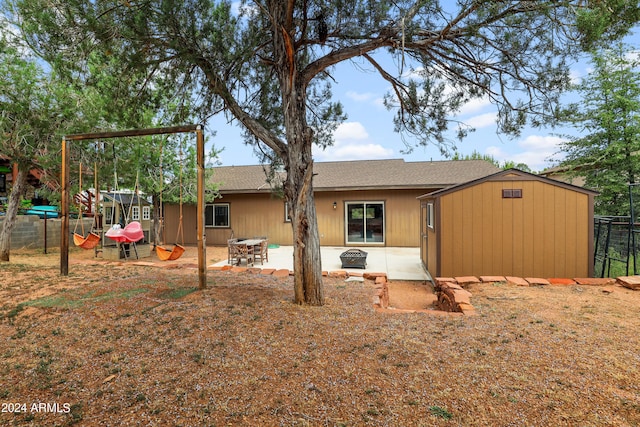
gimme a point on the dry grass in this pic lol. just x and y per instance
(122, 345)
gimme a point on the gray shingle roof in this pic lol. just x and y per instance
(362, 175)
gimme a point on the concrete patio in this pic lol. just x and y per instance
(398, 263)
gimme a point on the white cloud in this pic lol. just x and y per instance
(11, 33)
(633, 56)
(416, 73)
(354, 152)
(536, 151)
(352, 142)
(360, 97)
(350, 131)
(482, 120)
(541, 142)
(575, 76)
(366, 97)
(475, 105)
(379, 102)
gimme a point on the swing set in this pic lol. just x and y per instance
(200, 229)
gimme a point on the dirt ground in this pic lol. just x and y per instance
(115, 344)
(407, 295)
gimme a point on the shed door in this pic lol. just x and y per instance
(424, 247)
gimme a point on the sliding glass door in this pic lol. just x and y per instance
(364, 222)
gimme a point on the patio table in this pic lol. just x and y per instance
(250, 242)
(244, 249)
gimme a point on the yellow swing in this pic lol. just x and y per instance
(163, 253)
(92, 239)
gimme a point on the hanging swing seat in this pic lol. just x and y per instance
(131, 233)
(165, 254)
(89, 242)
(92, 240)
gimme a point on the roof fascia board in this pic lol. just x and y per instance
(342, 189)
(508, 175)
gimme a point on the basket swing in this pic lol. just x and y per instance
(91, 240)
(166, 254)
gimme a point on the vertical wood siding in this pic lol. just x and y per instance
(263, 215)
(402, 215)
(545, 233)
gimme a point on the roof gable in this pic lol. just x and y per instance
(509, 175)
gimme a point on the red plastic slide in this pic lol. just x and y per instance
(131, 233)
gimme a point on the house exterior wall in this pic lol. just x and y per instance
(401, 222)
(250, 215)
(264, 215)
(546, 233)
(189, 225)
(568, 178)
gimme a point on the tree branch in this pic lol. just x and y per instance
(218, 86)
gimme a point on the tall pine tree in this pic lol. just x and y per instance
(268, 64)
(607, 118)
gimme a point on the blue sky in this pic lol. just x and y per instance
(368, 132)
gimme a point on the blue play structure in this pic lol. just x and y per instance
(41, 211)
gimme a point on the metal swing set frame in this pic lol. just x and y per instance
(66, 146)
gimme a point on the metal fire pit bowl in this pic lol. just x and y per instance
(353, 258)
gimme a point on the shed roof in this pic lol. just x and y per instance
(508, 175)
(124, 198)
(362, 175)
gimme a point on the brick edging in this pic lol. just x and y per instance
(454, 298)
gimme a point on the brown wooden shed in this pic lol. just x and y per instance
(511, 223)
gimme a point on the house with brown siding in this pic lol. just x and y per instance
(510, 223)
(568, 174)
(358, 203)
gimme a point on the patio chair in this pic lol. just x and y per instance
(244, 252)
(261, 252)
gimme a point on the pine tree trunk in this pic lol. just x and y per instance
(19, 185)
(307, 264)
(298, 159)
(298, 190)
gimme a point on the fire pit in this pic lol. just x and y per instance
(353, 258)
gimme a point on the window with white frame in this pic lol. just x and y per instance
(287, 214)
(135, 213)
(108, 214)
(216, 215)
(430, 215)
(146, 213)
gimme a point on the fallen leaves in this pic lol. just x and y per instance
(241, 353)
